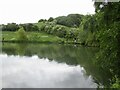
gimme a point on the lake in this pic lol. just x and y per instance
(50, 66)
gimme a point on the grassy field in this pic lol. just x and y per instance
(8, 36)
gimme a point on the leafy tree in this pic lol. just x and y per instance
(61, 20)
(42, 20)
(50, 19)
(109, 37)
(21, 35)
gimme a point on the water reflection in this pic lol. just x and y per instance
(71, 55)
(32, 72)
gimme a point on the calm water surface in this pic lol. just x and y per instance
(49, 66)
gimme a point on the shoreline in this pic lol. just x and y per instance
(48, 42)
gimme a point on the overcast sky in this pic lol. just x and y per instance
(25, 11)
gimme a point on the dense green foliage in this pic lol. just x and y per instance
(109, 37)
(10, 27)
(29, 27)
(84, 32)
(42, 20)
(15, 27)
(72, 20)
(50, 19)
(58, 30)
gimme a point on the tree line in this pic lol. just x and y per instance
(15, 27)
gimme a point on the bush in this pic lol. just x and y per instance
(21, 35)
(116, 83)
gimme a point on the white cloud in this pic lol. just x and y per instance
(22, 11)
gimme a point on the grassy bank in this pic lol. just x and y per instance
(40, 37)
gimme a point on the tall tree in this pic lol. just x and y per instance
(109, 36)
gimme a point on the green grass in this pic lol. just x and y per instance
(32, 37)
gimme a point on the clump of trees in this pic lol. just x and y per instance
(50, 19)
(15, 27)
(72, 20)
(59, 30)
(42, 20)
(74, 27)
(10, 27)
(30, 27)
